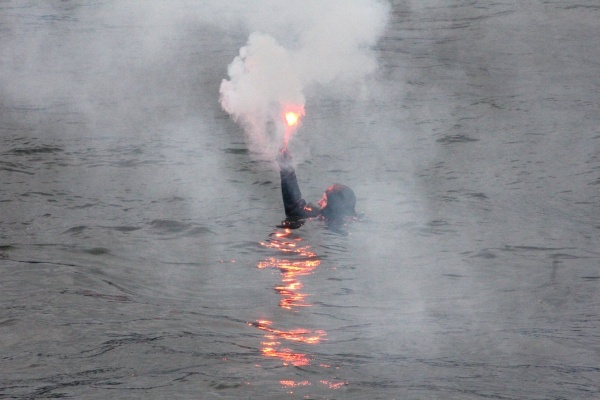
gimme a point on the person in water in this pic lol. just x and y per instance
(337, 202)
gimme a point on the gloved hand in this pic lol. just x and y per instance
(284, 158)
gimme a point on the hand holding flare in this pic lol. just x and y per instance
(284, 158)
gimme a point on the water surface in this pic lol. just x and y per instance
(140, 248)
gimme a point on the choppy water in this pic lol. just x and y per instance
(139, 250)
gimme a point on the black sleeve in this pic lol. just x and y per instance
(293, 202)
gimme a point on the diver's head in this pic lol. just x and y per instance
(337, 202)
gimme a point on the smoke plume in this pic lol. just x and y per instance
(324, 43)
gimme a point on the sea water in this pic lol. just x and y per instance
(141, 248)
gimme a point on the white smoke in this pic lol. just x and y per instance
(263, 81)
(327, 42)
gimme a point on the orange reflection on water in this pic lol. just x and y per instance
(332, 385)
(287, 356)
(329, 384)
(295, 335)
(272, 345)
(294, 383)
(293, 259)
(298, 261)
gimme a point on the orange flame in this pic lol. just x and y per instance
(291, 115)
(291, 118)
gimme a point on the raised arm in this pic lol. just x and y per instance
(294, 204)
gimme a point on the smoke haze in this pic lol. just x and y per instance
(137, 181)
(328, 41)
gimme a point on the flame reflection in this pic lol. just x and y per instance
(294, 384)
(294, 260)
(298, 261)
(272, 345)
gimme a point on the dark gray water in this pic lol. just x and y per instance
(139, 250)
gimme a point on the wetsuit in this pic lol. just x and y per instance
(294, 204)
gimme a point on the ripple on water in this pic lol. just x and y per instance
(44, 149)
(75, 230)
(169, 227)
(14, 167)
(451, 139)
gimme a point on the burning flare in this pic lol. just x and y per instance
(291, 115)
(291, 118)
